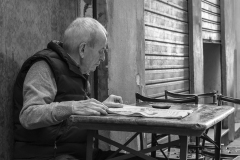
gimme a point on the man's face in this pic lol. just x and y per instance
(93, 56)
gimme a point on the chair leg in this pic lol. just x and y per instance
(217, 138)
(169, 140)
(164, 154)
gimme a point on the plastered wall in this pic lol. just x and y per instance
(126, 36)
(237, 54)
(228, 54)
(26, 26)
(126, 53)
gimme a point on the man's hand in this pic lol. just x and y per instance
(88, 107)
(114, 101)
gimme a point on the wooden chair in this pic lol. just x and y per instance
(225, 153)
(205, 137)
(156, 137)
(212, 95)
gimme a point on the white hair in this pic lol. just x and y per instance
(83, 29)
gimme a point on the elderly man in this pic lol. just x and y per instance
(53, 85)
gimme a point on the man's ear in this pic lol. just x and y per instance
(81, 49)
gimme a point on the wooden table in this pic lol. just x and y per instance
(203, 117)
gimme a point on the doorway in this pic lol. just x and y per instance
(212, 68)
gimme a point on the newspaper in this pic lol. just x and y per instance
(128, 110)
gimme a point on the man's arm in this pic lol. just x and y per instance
(39, 90)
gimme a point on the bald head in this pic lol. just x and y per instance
(83, 30)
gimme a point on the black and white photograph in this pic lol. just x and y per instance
(119, 79)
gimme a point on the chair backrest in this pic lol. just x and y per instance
(221, 98)
(212, 94)
(192, 99)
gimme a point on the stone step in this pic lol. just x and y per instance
(175, 137)
(237, 130)
(236, 142)
(237, 158)
(211, 132)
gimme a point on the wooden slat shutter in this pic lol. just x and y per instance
(166, 47)
(211, 19)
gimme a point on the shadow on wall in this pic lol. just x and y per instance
(8, 72)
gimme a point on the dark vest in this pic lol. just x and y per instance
(57, 139)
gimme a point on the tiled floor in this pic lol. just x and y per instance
(234, 147)
(175, 154)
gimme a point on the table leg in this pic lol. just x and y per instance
(153, 144)
(90, 144)
(96, 143)
(183, 147)
(197, 149)
(217, 139)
